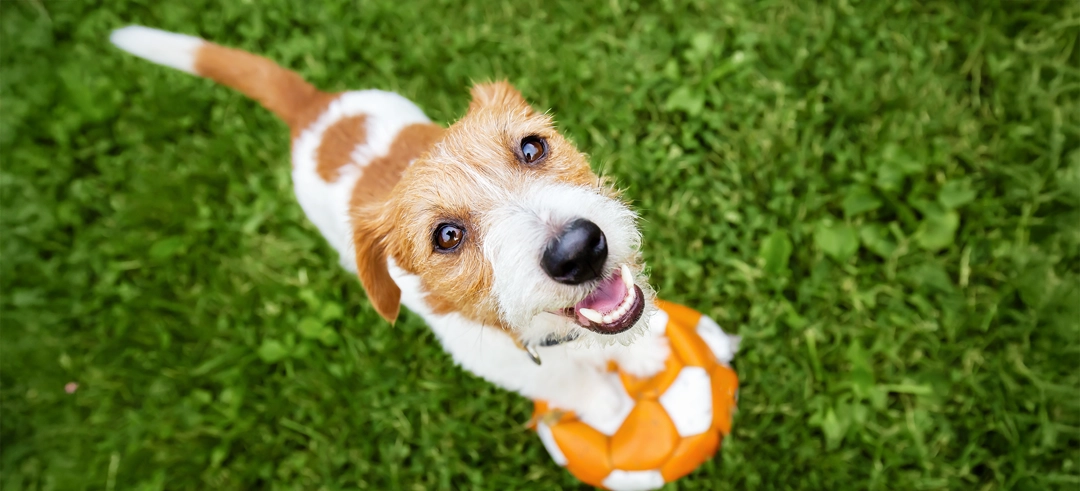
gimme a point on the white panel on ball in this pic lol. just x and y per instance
(722, 344)
(549, 443)
(634, 480)
(688, 401)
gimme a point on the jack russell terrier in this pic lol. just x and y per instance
(494, 230)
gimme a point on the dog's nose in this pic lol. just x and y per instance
(577, 254)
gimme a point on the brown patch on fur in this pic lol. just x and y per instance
(384, 172)
(370, 227)
(339, 141)
(464, 285)
(282, 91)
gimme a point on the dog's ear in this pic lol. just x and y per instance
(369, 241)
(498, 94)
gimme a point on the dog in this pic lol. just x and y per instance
(495, 230)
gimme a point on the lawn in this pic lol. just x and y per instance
(882, 198)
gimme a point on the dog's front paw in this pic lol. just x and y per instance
(605, 406)
(601, 402)
(644, 358)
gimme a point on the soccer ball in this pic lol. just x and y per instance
(673, 421)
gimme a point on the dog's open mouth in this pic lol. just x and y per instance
(613, 307)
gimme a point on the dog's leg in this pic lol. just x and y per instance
(644, 357)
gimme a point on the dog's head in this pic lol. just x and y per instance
(504, 223)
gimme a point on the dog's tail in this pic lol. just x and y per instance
(281, 91)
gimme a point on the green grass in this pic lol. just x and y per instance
(882, 198)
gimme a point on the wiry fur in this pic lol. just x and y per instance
(377, 179)
(516, 232)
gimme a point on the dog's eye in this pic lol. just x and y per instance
(448, 237)
(533, 148)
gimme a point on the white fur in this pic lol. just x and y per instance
(161, 47)
(608, 424)
(516, 233)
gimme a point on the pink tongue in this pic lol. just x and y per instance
(608, 295)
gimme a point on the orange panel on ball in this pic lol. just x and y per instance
(645, 439)
(652, 387)
(544, 412)
(724, 385)
(679, 314)
(690, 347)
(586, 451)
(690, 453)
(540, 408)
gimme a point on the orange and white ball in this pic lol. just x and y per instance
(673, 422)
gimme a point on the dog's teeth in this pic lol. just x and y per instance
(608, 319)
(627, 278)
(627, 300)
(592, 315)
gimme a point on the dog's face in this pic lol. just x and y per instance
(504, 222)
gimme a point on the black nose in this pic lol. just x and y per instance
(577, 254)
